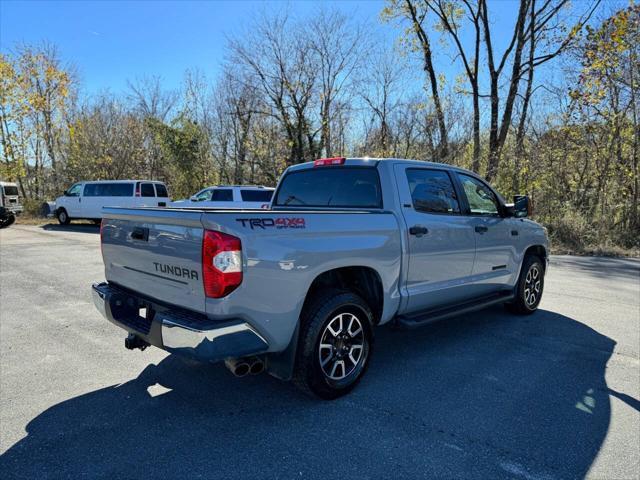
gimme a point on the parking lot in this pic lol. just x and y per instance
(487, 395)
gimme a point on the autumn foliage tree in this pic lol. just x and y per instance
(294, 88)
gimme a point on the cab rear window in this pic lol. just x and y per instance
(344, 187)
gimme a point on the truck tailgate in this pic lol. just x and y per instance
(156, 253)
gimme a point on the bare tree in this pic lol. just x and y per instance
(417, 18)
(150, 99)
(339, 45)
(276, 56)
(381, 93)
(450, 18)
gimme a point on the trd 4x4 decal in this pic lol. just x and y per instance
(279, 222)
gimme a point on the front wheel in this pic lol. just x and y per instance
(7, 221)
(529, 288)
(63, 217)
(335, 344)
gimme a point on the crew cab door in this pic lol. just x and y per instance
(441, 241)
(496, 264)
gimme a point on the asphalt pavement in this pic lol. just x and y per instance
(488, 395)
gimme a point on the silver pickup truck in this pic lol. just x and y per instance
(347, 245)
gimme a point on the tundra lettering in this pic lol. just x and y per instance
(297, 290)
(176, 271)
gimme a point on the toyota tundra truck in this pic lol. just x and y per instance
(347, 245)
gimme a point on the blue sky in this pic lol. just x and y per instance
(110, 42)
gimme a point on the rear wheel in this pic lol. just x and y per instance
(335, 344)
(63, 217)
(529, 288)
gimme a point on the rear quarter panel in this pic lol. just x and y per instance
(282, 260)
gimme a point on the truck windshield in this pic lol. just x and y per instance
(10, 190)
(344, 187)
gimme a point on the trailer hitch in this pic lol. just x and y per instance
(133, 341)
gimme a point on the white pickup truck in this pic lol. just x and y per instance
(347, 245)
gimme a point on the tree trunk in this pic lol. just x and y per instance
(443, 144)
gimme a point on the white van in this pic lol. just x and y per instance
(84, 200)
(229, 197)
(9, 198)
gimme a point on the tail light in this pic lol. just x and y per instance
(221, 263)
(324, 162)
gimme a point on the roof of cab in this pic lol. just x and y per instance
(372, 162)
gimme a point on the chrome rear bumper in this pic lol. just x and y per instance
(177, 330)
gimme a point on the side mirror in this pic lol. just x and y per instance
(520, 208)
(193, 198)
(65, 193)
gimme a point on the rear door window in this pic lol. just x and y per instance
(345, 187)
(432, 191)
(146, 190)
(161, 190)
(256, 195)
(222, 195)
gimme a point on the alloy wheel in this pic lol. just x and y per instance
(342, 346)
(532, 286)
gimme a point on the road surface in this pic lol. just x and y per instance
(487, 395)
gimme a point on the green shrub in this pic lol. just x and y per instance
(570, 229)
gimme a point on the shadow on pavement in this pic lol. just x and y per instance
(72, 227)
(484, 396)
(612, 266)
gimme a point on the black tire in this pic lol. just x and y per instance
(7, 221)
(63, 216)
(317, 322)
(530, 287)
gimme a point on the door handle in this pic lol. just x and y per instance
(140, 234)
(481, 229)
(418, 230)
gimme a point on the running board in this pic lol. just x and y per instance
(426, 317)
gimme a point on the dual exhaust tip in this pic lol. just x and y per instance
(242, 367)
